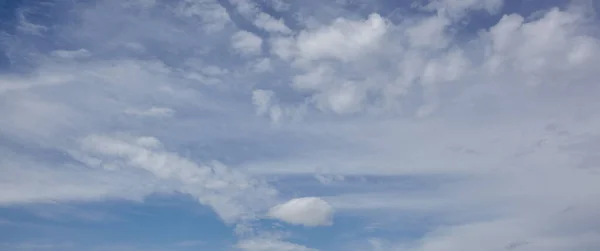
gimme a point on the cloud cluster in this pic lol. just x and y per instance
(490, 135)
(352, 66)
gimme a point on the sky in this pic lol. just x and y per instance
(299, 125)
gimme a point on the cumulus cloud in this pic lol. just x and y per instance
(422, 124)
(308, 211)
(343, 39)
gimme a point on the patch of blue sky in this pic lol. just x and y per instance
(173, 221)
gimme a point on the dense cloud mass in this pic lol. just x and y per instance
(432, 125)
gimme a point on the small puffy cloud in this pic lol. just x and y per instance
(308, 211)
(246, 43)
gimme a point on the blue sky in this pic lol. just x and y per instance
(283, 125)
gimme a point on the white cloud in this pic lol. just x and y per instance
(246, 42)
(429, 33)
(282, 47)
(308, 211)
(270, 24)
(411, 120)
(28, 181)
(262, 65)
(279, 5)
(266, 105)
(343, 39)
(457, 8)
(246, 8)
(46, 78)
(251, 11)
(26, 26)
(214, 16)
(151, 112)
(270, 245)
(231, 194)
(262, 99)
(71, 54)
(523, 46)
(346, 98)
(212, 70)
